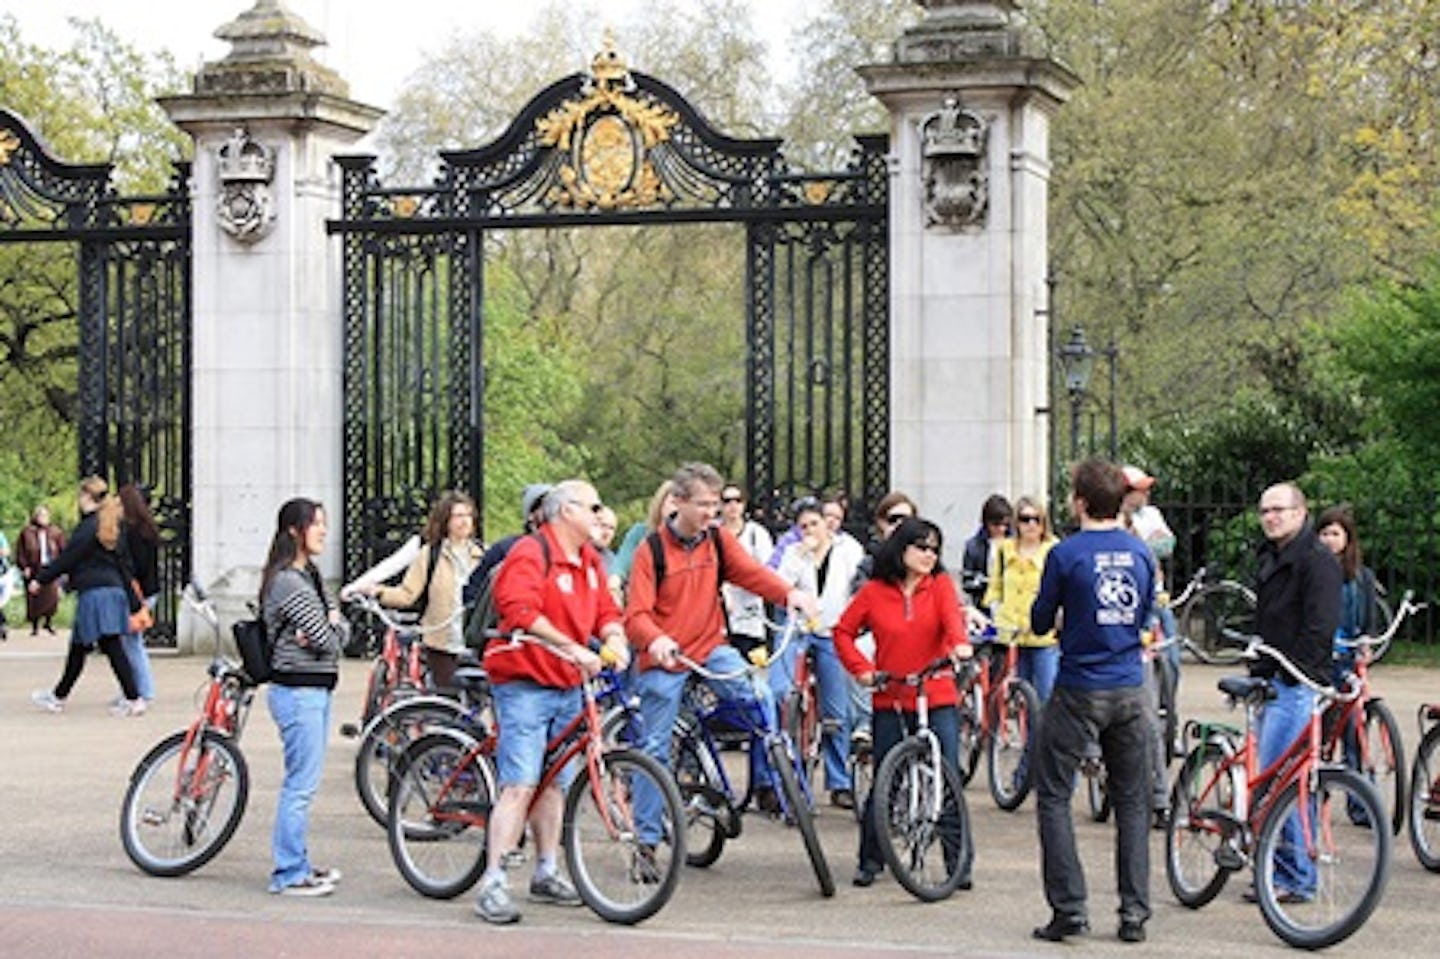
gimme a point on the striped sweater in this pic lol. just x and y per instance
(306, 644)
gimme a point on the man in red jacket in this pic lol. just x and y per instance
(552, 587)
(681, 614)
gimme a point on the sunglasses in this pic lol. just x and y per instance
(926, 548)
(895, 519)
(732, 499)
(1028, 518)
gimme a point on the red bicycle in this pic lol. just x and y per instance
(187, 795)
(998, 713)
(1228, 814)
(1425, 790)
(441, 802)
(400, 666)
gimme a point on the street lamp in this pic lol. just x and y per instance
(1077, 363)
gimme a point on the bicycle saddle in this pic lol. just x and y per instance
(1247, 688)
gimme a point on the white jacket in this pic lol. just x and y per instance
(798, 568)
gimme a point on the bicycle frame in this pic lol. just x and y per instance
(923, 730)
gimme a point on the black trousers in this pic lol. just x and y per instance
(119, 662)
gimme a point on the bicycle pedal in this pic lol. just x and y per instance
(1229, 858)
(349, 730)
(1431, 814)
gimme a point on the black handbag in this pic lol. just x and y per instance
(255, 647)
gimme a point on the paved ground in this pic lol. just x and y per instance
(69, 890)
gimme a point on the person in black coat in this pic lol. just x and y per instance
(96, 562)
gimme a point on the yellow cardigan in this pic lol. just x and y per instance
(1014, 584)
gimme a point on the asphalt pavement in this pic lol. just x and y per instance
(69, 890)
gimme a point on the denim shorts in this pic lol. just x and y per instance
(529, 715)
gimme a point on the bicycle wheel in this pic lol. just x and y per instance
(802, 723)
(384, 742)
(183, 805)
(1425, 801)
(972, 734)
(1215, 608)
(1383, 761)
(437, 814)
(378, 686)
(707, 811)
(1008, 756)
(861, 765)
(921, 821)
(799, 810)
(1202, 820)
(620, 876)
(1098, 796)
(1351, 862)
(1169, 680)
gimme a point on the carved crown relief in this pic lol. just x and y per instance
(246, 208)
(953, 144)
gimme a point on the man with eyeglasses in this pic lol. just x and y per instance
(552, 588)
(1297, 611)
(679, 613)
(1104, 580)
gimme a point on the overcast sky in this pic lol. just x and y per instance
(374, 44)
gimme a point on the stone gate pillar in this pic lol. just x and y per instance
(970, 110)
(266, 383)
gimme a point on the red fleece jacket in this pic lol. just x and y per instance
(910, 634)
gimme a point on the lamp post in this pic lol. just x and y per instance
(1077, 363)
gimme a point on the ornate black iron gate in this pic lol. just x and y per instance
(611, 148)
(132, 294)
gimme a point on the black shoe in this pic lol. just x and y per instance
(966, 884)
(863, 877)
(1132, 931)
(1060, 927)
(766, 801)
(1161, 819)
(842, 799)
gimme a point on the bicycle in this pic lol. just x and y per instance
(920, 815)
(1364, 726)
(1227, 814)
(441, 802)
(998, 712)
(400, 665)
(1205, 609)
(712, 810)
(1166, 729)
(188, 793)
(1425, 790)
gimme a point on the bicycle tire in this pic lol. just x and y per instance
(1384, 761)
(378, 687)
(700, 786)
(1352, 862)
(1169, 707)
(861, 766)
(799, 810)
(972, 733)
(440, 779)
(166, 837)
(384, 742)
(909, 835)
(1010, 746)
(802, 724)
(1425, 800)
(1214, 609)
(608, 862)
(1099, 798)
(1202, 808)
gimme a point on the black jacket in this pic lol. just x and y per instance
(1298, 604)
(89, 564)
(975, 566)
(144, 562)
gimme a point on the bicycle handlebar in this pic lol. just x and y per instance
(372, 606)
(1255, 648)
(1406, 608)
(787, 634)
(883, 678)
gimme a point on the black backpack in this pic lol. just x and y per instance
(253, 641)
(482, 616)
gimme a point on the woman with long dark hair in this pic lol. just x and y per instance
(142, 537)
(915, 614)
(95, 561)
(304, 625)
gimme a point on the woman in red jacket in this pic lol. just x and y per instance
(916, 616)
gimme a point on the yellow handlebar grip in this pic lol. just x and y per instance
(759, 656)
(608, 656)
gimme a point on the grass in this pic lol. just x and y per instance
(15, 612)
(1412, 653)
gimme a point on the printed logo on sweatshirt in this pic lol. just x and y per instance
(1117, 595)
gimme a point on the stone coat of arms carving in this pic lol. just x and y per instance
(246, 207)
(954, 165)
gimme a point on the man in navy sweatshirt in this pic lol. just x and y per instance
(1104, 579)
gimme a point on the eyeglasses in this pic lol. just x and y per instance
(1269, 510)
(926, 548)
(1027, 518)
(596, 507)
(895, 519)
(732, 499)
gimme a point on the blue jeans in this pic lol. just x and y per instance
(139, 659)
(660, 691)
(1038, 666)
(1282, 721)
(302, 714)
(528, 716)
(833, 685)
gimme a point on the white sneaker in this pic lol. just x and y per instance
(45, 699)
(133, 707)
(309, 887)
